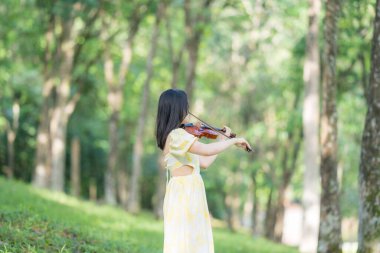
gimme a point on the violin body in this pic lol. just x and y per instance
(201, 131)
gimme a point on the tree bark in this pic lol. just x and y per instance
(75, 167)
(330, 239)
(134, 194)
(310, 198)
(369, 172)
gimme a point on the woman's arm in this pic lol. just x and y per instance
(215, 148)
(206, 161)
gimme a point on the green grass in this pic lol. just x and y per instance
(35, 220)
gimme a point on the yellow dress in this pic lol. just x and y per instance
(187, 224)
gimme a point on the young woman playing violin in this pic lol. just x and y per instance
(187, 224)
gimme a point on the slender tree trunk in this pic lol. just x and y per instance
(229, 210)
(194, 29)
(115, 102)
(286, 178)
(254, 227)
(62, 112)
(122, 184)
(92, 190)
(75, 167)
(311, 197)
(176, 59)
(158, 199)
(134, 196)
(330, 238)
(292, 143)
(42, 172)
(236, 214)
(270, 217)
(12, 128)
(369, 169)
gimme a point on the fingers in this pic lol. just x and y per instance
(228, 130)
(243, 143)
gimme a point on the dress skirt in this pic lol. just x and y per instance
(187, 224)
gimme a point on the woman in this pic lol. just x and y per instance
(187, 224)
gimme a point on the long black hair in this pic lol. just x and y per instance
(173, 107)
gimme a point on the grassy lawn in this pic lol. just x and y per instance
(34, 220)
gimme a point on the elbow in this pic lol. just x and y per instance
(204, 165)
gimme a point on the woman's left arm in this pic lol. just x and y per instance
(206, 161)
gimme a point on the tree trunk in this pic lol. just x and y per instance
(330, 239)
(176, 59)
(92, 190)
(59, 60)
(229, 210)
(158, 199)
(286, 179)
(75, 167)
(115, 102)
(12, 128)
(288, 169)
(311, 197)
(122, 184)
(194, 29)
(369, 172)
(134, 195)
(254, 227)
(270, 217)
(42, 172)
(62, 109)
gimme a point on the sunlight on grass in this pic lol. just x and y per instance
(35, 220)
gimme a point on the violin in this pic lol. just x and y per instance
(203, 131)
(207, 131)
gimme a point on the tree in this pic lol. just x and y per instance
(310, 115)
(194, 27)
(59, 97)
(369, 169)
(134, 196)
(330, 239)
(115, 94)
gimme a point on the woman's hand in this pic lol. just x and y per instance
(228, 133)
(242, 143)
